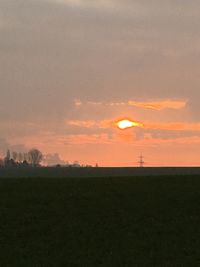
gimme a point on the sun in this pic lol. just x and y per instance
(124, 124)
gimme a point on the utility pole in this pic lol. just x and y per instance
(141, 161)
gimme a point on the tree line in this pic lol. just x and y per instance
(33, 158)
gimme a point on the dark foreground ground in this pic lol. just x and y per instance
(88, 172)
(144, 221)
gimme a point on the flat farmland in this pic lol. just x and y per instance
(121, 221)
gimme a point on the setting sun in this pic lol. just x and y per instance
(124, 124)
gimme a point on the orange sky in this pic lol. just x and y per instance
(164, 140)
(71, 69)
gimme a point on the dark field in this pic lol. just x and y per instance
(63, 172)
(144, 221)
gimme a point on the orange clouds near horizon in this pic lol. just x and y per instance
(128, 123)
(173, 126)
(104, 124)
(123, 145)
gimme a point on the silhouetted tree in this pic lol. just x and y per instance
(26, 157)
(12, 163)
(14, 156)
(35, 157)
(7, 159)
(1, 162)
(20, 157)
(76, 164)
(25, 163)
(8, 155)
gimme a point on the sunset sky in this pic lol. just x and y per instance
(71, 69)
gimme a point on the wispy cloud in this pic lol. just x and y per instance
(104, 124)
(88, 3)
(89, 139)
(186, 140)
(113, 123)
(154, 105)
(160, 105)
(77, 102)
(81, 123)
(174, 126)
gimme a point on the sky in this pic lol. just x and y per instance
(70, 69)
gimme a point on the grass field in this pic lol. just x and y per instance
(145, 221)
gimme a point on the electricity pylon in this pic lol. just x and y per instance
(141, 161)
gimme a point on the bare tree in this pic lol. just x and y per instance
(7, 158)
(8, 155)
(26, 157)
(35, 156)
(14, 156)
(20, 157)
(76, 164)
(1, 162)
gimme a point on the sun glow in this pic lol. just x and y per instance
(124, 124)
